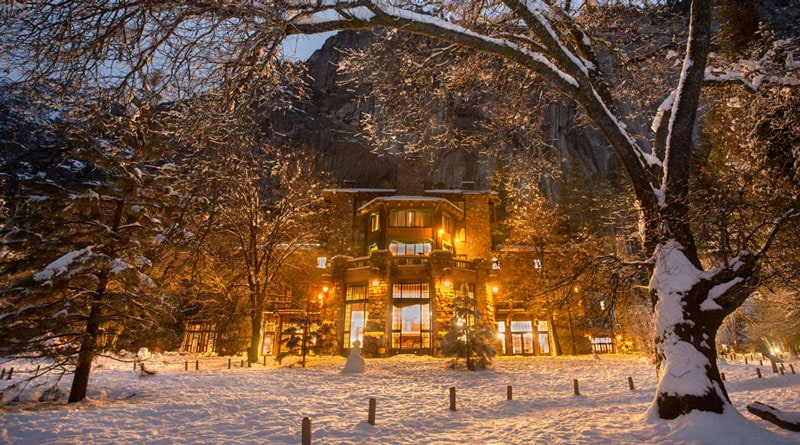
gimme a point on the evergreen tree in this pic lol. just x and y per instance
(468, 337)
(86, 215)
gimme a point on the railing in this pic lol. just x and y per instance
(462, 264)
(408, 260)
(411, 260)
(358, 263)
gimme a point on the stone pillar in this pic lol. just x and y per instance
(379, 312)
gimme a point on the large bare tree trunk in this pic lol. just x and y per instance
(690, 307)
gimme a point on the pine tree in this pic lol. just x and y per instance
(468, 337)
(86, 215)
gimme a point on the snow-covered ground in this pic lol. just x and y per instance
(266, 404)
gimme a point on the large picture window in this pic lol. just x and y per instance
(409, 218)
(411, 316)
(400, 248)
(355, 314)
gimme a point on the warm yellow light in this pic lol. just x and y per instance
(501, 336)
(495, 289)
(324, 288)
(375, 282)
(441, 232)
(319, 297)
(447, 283)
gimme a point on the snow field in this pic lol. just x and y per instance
(266, 404)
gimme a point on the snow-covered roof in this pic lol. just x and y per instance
(359, 190)
(426, 201)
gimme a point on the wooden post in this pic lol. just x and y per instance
(722, 376)
(141, 366)
(745, 360)
(241, 365)
(452, 398)
(306, 435)
(760, 362)
(782, 371)
(229, 363)
(630, 383)
(265, 360)
(791, 367)
(134, 365)
(371, 415)
(186, 365)
(509, 393)
(575, 387)
(10, 372)
(3, 374)
(774, 366)
(758, 372)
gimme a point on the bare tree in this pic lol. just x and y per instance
(237, 40)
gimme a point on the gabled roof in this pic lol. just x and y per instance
(411, 202)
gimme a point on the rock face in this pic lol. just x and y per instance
(329, 122)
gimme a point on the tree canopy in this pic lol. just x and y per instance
(233, 47)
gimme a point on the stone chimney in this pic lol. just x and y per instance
(410, 179)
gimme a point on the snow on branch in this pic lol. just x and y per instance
(63, 264)
(379, 13)
(754, 73)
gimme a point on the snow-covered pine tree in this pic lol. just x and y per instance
(468, 337)
(85, 216)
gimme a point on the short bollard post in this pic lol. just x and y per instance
(10, 372)
(249, 364)
(306, 435)
(791, 367)
(265, 360)
(186, 365)
(134, 365)
(196, 365)
(371, 415)
(722, 376)
(509, 393)
(774, 366)
(745, 360)
(782, 371)
(576, 387)
(452, 398)
(758, 372)
(141, 367)
(760, 362)
(241, 365)
(229, 363)
(630, 383)
(3, 374)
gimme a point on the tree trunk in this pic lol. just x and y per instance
(88, 350)
(255, 336)
(687, 317)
